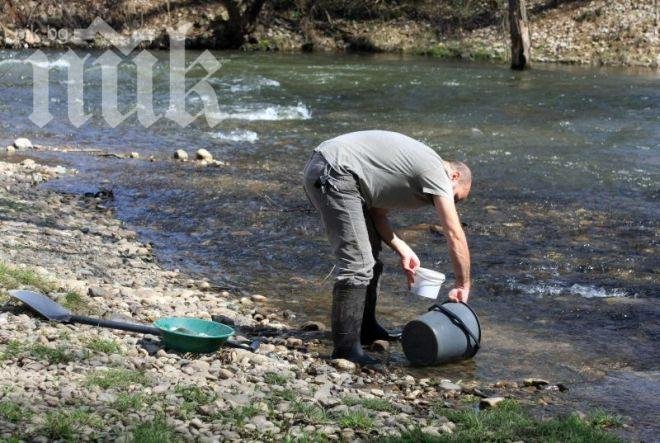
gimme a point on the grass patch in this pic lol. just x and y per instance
(117, 378)
(129, 402)
(193, 397)
(12, 278)
(65, 425)
(238, 415)
(273, 378)
(53, 356)
(154, 431)
(316, 437)
(602, 419)
(12, 349)
(104, 346)
(309, 412)
(75, 302)
(508, 422)
(356, 420)
(375, 404)
(13, 412)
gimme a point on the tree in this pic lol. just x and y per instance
(520, 43)
(243, 15)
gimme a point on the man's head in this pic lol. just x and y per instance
(461, 179)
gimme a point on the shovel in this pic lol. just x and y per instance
(180, 333)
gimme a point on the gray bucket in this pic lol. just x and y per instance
(448, 332)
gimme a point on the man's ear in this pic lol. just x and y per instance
(455, 175)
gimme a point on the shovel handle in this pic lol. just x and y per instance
(112, 324)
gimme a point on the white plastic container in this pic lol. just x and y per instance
(427, 283)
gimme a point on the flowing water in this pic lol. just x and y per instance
(562, 220)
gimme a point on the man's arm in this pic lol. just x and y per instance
(409, 261)
(458, 247)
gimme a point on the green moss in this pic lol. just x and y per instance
(103, 346)
(117, 378)
(509, 422)
(462, 50)
(154, 431)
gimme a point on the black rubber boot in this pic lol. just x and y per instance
(371, 330)
(347, 309)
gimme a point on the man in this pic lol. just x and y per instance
(353, 180)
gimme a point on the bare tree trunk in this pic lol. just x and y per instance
(520, 42)
(243, 16)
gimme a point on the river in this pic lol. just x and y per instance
(562, 220)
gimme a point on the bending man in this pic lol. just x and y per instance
(353, 180)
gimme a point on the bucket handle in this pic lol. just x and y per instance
(455, 319)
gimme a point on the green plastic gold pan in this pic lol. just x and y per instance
(183, 334)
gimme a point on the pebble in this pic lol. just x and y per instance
(380, 346)
(181, 155)
(535, 382)
(95, 291)
(313, 326)
(134, 155)
(203, 154)
(490, 402)
(258, 298)
(448, 386)
(22, 143)
(343, 365)
(225, 374)
(10, 148)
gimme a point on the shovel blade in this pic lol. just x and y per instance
(43, 305)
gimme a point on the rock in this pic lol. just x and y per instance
(225, 374)
(10, 148)
(537, 382)
(181, 155)
(261, 423)
(258, 298)
(343, 365)
(161, 389)
(294, 342)
(377, 392)
(313, 326)
(95, 291)
(380, 346)
(448, 386)
(28, 162)
(433, 431)
(134, 155)
(490, 402)
(203, 154)
(22, 143)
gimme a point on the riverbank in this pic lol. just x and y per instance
(81, 383)
(596, 32)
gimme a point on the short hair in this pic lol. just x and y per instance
(465, 178)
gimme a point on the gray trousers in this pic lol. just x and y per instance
(350, 230)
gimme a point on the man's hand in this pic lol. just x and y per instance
(459, 295)
(409, 262)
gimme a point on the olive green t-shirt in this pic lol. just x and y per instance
(394, 170)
